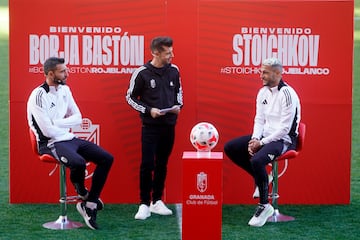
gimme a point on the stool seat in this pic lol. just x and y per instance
(287, 155)
(62, 222)
(47, 158)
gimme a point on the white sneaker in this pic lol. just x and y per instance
(262, 213)
(256, 193)
(160, 208)
(143, 212)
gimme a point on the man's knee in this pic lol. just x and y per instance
(109, 160)
(105, 160)
(227, 148)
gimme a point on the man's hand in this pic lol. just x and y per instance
(176, 109)
(254, 146)
(155, 112)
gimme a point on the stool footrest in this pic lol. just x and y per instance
(70, 199)
(276, 195)
(278, 217)
(62, 223)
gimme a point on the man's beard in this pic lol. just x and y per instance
(59, 81)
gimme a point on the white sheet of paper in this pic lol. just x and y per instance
(165, 110)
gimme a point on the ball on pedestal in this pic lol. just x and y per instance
(204, 136)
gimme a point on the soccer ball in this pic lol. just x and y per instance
(204, 136)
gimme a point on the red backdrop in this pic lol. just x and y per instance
(218, 46)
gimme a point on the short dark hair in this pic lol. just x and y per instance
(158, 43)
(51, 63)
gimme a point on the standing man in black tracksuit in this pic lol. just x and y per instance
(155, 91)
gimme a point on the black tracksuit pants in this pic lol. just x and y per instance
(157, 144)
(74, 154)
(237, 151)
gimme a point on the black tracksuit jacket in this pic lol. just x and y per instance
(152, 87)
